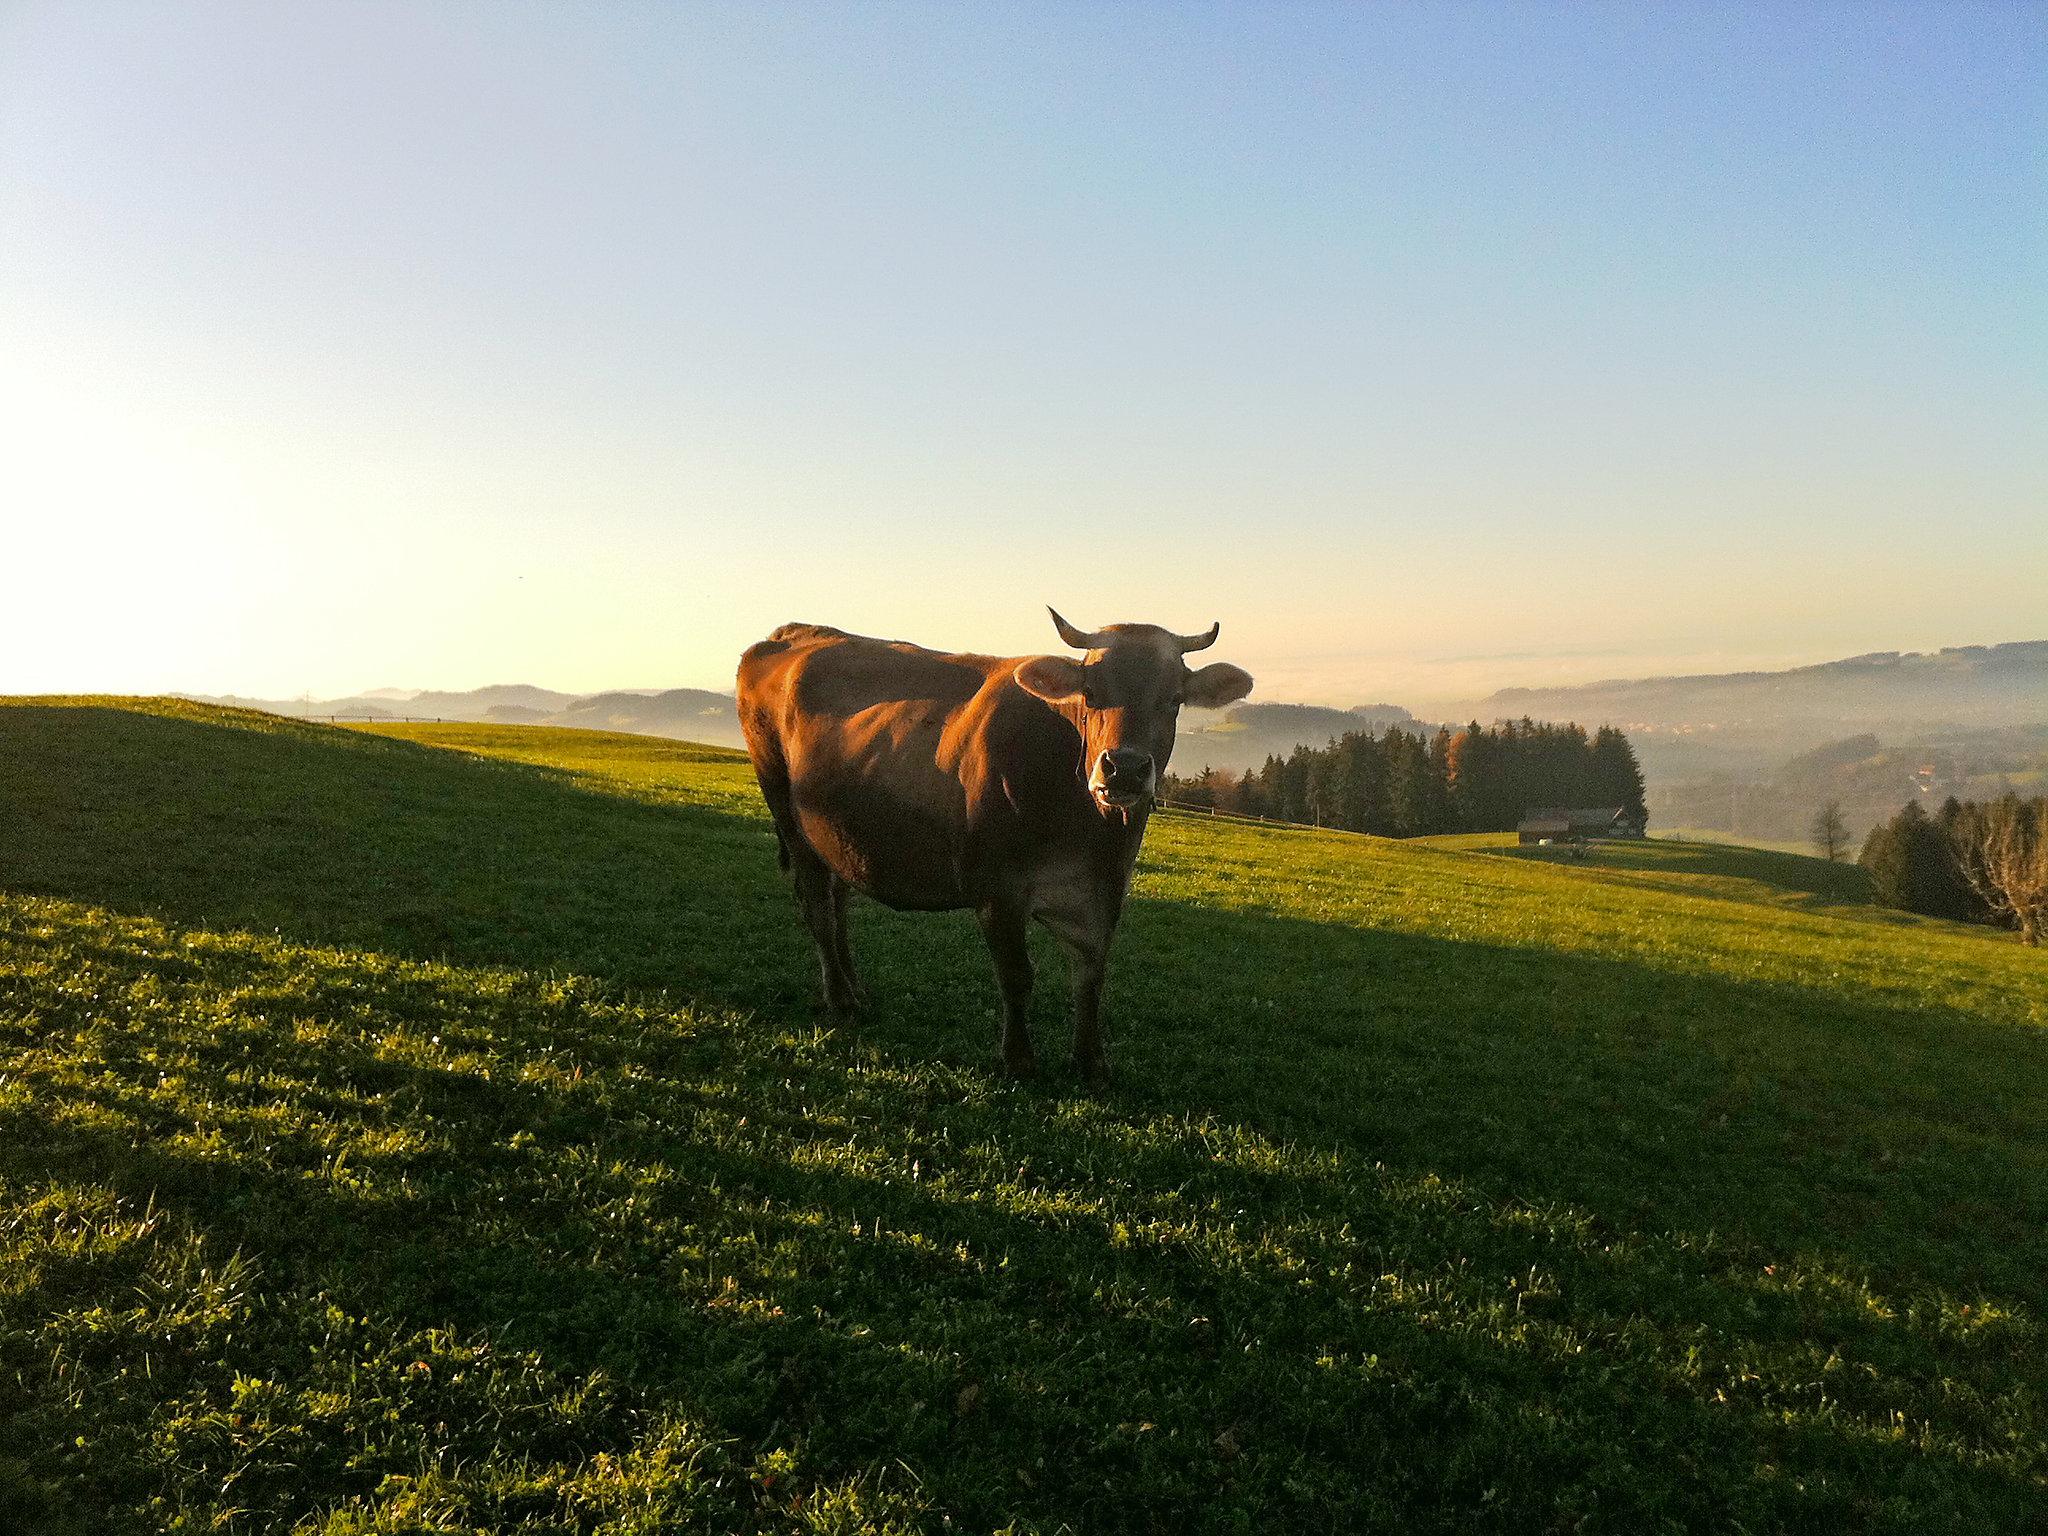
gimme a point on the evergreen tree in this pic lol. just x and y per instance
(1440, 814)
(1361, 784)
(1463, 767)
(1325, 786)
(1273, 789)
(1913, 867)
(1617, 777)
(1294, 787)
(1514, 791)
(1408, 781)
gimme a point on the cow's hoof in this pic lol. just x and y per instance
(1021, 1068)
(1094, 1072)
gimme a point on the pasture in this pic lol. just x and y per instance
(429, 1128)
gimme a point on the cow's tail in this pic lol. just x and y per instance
(773, 776)
(755, 698)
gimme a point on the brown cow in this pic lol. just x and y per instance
(1017, 787)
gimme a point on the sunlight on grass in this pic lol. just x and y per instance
(428, 1128)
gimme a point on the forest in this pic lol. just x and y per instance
(1402, 783)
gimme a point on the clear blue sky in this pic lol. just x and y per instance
(1428, 347)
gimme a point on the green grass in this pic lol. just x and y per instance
(430, 1129)
(1734, 872)
(1714, 835)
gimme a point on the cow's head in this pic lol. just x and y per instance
(1128, 692)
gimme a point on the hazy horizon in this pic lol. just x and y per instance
(1425, 704)
(1432, 349)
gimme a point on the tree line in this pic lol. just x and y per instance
(1407, 784)
(1976, 862)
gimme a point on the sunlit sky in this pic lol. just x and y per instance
(1430, 348)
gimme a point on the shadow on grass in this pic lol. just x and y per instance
(340, 837)
(1907, 1141)
(1039, 1305)
(1494, 1307)
(1799, 883)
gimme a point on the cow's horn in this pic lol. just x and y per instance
(1200, 642)
(1080, 640)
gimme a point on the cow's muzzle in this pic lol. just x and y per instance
(1122, 778)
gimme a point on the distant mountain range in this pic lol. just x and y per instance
(692, 714)
(1973, 685)
(1741, 726)
(1234, 740)
(1699, 738)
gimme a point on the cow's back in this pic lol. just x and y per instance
(883, 757)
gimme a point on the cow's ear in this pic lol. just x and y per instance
(1051, 678)
(1216, 685)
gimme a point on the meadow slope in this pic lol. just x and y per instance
(430, 1129)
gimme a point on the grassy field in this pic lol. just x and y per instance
(430, 1129)
(1713, 835)
(1733, 872)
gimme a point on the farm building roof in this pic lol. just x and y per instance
(1588, 816)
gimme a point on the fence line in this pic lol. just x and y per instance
(1187, 808)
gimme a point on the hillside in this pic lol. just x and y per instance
(1977, 685)
(1756, 754)
(1710, 746)
(428, 1128)
(1867, 777)
(1232, 740)
(691, 714)
(686, 714)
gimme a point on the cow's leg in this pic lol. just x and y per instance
(1003, 926)
(814, 894)
(820, 894)
(842, 945)
(1084, 930)
(1088, 964)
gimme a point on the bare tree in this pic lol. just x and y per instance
(1830, 833)
(2002, 849)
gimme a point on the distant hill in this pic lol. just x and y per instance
(691, 714)
(688, 714)
(543, 701)
(1976, 685)
(1867, 777)
(1757, 753)
(1729, 727)
(1244, 737)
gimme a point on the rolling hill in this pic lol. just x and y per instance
(429, 1128)
(688, 714)
(1965, 685)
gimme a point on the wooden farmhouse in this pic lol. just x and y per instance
(1557, 824)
